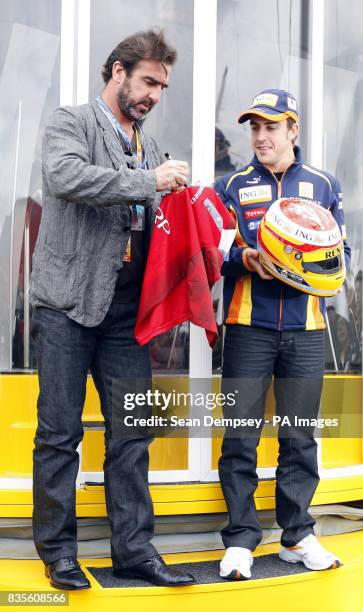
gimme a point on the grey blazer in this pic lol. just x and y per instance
(86, 218)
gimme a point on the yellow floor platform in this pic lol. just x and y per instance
(328, 591)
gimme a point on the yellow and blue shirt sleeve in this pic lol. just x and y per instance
(234, 263)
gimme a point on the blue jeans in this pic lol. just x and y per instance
(66, 351)
(296, 359)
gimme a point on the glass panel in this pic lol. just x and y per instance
(29, 86)
(168, 453)
(266, 46)
(18, 398)
(268, 446)
(343, 133)
(164, 454)
(170, 122)
(267, 452)
(342, 396)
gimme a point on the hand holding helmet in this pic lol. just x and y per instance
(254, 265)
(299, 242)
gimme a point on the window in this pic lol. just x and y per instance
(29, 68)
(343, 134)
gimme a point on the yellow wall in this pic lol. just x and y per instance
(342, 397)
(18, 395)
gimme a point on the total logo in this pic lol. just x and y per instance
(255, 213)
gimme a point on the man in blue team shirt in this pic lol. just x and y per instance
(272, 329)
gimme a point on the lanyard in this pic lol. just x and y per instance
(139, 135)
(139, 147)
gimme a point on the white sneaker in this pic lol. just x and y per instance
(236, 564)
(311, 553)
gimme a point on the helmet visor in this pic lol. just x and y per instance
(324, 266)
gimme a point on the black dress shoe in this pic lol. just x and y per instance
(156, 571)
(67, 574)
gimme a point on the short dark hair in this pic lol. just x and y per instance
(290, 123)
(150, 44)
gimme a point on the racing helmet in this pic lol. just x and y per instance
(299, 242)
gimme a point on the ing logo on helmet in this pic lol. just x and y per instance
(300, 243)
(304, 221)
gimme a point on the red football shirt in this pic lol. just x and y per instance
(192, 231)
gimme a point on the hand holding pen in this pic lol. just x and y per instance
(171, 175)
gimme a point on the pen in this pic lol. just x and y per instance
(168, 158)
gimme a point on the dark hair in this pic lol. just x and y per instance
(150, 44)
(290, 123)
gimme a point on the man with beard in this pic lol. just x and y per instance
(102, 178)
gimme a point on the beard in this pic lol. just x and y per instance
(129, 106)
